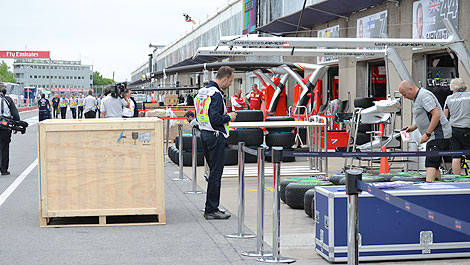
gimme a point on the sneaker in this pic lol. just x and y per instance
(5, 173)
(216, 215)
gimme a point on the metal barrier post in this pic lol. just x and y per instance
(325, 159)
(352, 191)
(259, 252)
(194, 164)
(180, 155)
(241, 194)
(310, 145)
(276, 258)
(167, 136)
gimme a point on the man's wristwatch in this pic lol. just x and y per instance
(428, 134)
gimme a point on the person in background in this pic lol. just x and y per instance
(128, 111)
(112, 104)
(89, 104)
(457, 109)
(256, 98)
(63, 103)
(212, 117)
(8, 108)
(98, 105)
(161, 98)
(238, 102)
(191, 119)
(55, 105)
(73, 102)
(80, 106)
(44, 108)
(431, 123)
(190, 99)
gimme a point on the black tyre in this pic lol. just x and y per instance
(232, 137)
(391, 176)
(249, 115)
(364, 102)
(251, 158)
(188, 142)
(308, 198)
(283, 184)
(268, 158)
(231, 157)
(340, 179)
(280, 139)
(362, 138)
(172, 153)
(187, 159)
(251, 136)
(280, 118)
(295, 191)
(363, 128)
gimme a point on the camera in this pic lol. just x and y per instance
(116, 90)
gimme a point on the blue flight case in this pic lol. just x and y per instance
(389, 233)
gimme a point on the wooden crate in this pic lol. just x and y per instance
(101, 169)
(171, 100)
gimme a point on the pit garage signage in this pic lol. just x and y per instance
(428, 16)
(331, 32)
(25, 54)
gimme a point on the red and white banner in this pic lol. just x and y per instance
(24, 54)
(74, 90)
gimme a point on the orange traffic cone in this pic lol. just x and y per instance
(384, 166)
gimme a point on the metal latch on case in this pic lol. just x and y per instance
(425, 241)
(327, 221)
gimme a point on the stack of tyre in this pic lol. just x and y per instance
(187, 142)
(362, 135)
(282, 137)
(298, 193)
(252, 137)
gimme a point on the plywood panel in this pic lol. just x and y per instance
(98, 166)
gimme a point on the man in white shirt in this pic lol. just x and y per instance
(89, 106)
(112, 104)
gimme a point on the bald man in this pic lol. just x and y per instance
(432, 124)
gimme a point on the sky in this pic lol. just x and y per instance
(113, 36)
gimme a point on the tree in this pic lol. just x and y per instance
(98, 79)
(5, 74)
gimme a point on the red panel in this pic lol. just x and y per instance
(24, 54)
(337, 139)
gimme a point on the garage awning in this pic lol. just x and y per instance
(317, 14)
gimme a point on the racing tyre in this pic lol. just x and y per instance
(188, 142)
(251, 136)
(295, 191)
(231, 157)
(364, 102)
(280, 118)
(280, 139)
(249, 115)
(308, 199)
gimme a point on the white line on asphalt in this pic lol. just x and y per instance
(32, 121)
(4, 196)
(28, 111)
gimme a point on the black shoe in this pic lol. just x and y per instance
(5, 173)
(216, 215)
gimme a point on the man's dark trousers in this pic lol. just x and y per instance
(63, 112)
(5, 139)
(213, 144)
(74, 113)
(56, 112)
(80, 112)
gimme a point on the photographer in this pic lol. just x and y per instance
(8, 109)
(112, 104)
